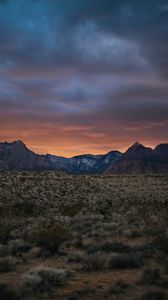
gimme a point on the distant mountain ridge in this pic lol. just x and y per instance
(16, 156)
(138, 159)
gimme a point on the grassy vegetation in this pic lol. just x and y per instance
(71, 237)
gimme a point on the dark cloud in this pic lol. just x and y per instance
(84, 67)
(68, 32)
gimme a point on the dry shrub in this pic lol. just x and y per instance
(94, 262)
(6, 293)
(153, 295)
(7, 264)
(119, 287)
(150, 276)
(70, 210)
(5, 232)
(43, 279)
(124, 261)
(50, 238)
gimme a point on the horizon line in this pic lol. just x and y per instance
(115, 150)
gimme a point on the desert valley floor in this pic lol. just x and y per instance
(65, 237)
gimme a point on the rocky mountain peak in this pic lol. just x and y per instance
(136, 145)
(138, 159)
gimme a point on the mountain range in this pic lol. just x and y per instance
(138, 159)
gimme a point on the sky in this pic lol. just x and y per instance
(83, 76)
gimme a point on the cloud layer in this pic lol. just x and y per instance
(83, 75)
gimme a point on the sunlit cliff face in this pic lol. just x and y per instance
(83, 76)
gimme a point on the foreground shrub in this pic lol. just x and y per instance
(7, 293)
(119, 287)
(125, 261)
(161, 244)
(21, 208)
(70, 210)
(166, 265)
(50, 238)
(25, 209)
(150, 276)
(153, 295)
(76, 257)
(82, 293)
(43, 279)
(5, 232)
(115, 247)
(18, 246)
(94, 262)
(7, 264)
(3, 250)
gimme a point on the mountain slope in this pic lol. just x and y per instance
(84, 164)
(139, 159)
(16, 156)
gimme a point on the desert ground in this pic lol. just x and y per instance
(65, 237)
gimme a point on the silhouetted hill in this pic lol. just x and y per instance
(138, 159)
(16, 156)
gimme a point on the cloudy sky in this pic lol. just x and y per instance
(83, 76)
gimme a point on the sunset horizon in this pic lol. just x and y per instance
(59, 152)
